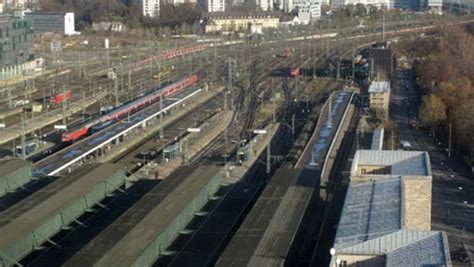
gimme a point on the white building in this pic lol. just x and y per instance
(336, 4)
(212, 6)
(55, 22)
(286, 5)
(379, 92)
(265, 5)
(309, 11)
(150, 8)
(399, 4)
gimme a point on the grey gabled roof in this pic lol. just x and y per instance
(432, 250)
(406, 248)
(402, 162)
(370, 210)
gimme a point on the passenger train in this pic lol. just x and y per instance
(127, 109)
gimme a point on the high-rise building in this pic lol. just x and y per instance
(313, 9)
(150, 8)
(265, 5)
(286, 5)
(16, 50)
(211, 6)
(55, 22)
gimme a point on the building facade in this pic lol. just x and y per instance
(150, 8)
(336, 4)
(386, 218)
(421, 5)
(265, 5)
(240, 23)
(16, 46)
(54, 22)
(286, 5)
(313, 9)
(379, 97)
(212, 6)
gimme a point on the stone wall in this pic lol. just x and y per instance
(416, 199)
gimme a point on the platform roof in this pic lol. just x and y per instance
(268, 231)
(21, 218)
(138, 240)
(114, 232)
(10, 165)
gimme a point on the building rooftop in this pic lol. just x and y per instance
(159, 223)
(379, 87)
(242, 15)
(415, 163)
(372, 224)
(269, 231)
(370, 210)
(23, 217)
(377, 139)
(406, 248)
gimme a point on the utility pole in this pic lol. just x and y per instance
(273, 109)
(83, 103)
(353, 64)
(230, 80)
(23, 152)
(330, 110)
(162, 133)
(293, 128)
(130, 82)
(64, 102)
(314, 60)
(214, 61)
(393, 140)
(269, 157)
(383, 25)
(116, 93)
(449, 141)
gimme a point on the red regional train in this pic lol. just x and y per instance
(121, 112)
(169, 54)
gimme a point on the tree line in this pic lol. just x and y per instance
(444, 73)
(126, 11)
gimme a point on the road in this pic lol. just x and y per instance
(453, 186)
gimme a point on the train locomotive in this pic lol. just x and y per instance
(127, 109)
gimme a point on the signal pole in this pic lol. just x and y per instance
(23, 152)
(162, 133)
(230, 80)
(269, 157)
(64, 102)
(449, 141)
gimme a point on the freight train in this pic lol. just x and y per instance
(127, 109)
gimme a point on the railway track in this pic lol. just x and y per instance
(258, 82)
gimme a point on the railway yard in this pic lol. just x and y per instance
(182, 153)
